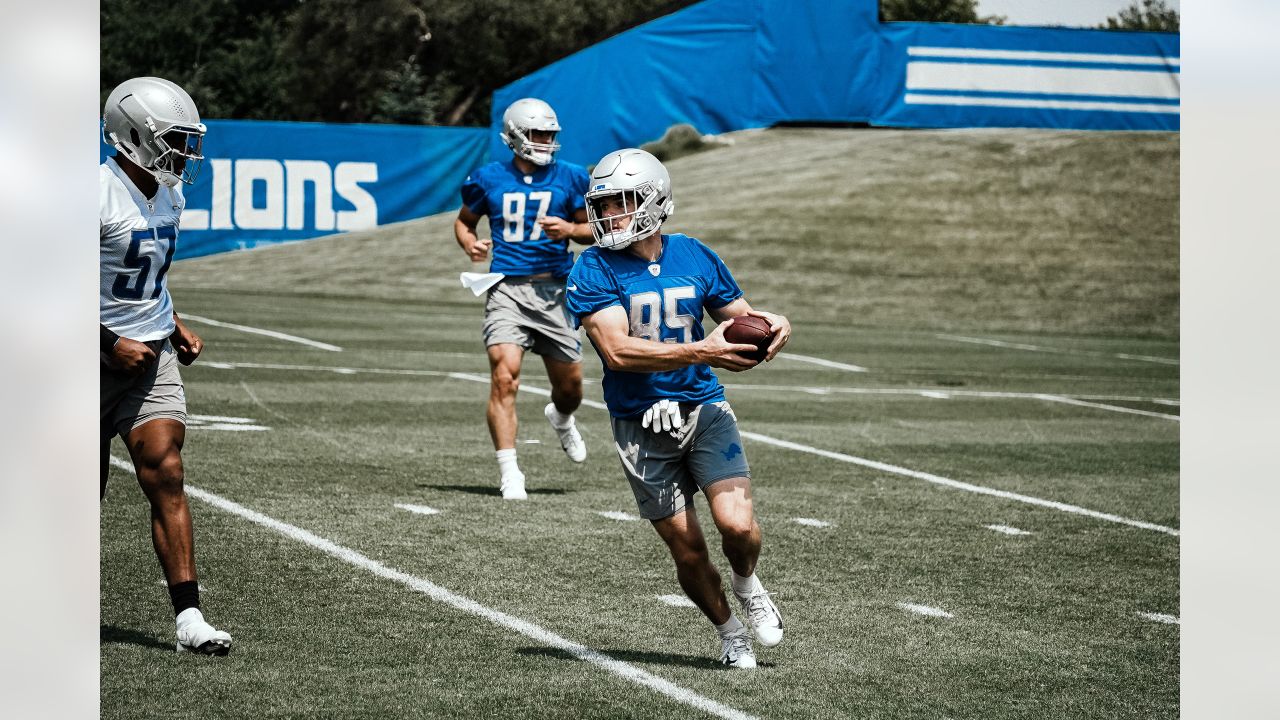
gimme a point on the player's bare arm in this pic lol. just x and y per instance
(608, 330)
(778, 324)
(187, 344)
(578, 230)
(130, 356)
(464, 231)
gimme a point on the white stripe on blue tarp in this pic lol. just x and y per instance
(1040, 80)
(985, 53)
(1009, 102)
(1052, 96)
(1161, 69)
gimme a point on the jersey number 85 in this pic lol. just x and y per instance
(647, 322)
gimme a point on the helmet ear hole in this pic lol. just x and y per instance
(133, 137)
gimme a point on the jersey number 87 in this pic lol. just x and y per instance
(513, 206)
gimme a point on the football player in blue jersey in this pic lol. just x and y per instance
(156, 131)
(641, 296)
(535, 207)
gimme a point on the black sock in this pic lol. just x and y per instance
(184, 595)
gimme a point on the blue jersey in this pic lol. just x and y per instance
(664, 301)
(514, 201)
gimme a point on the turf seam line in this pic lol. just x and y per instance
(260, 331)
(442, 595)
(984, 394)
(1058, 351)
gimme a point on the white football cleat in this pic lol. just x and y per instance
(197, 636)
(735, 650)
(570, 438)
(512, 486)
(763, 615)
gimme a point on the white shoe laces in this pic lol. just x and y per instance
(760, 609)
(735, 645)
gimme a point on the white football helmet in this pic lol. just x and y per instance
(644, 186)
(523, 116)
(155, 124)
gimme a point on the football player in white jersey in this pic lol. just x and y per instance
(156, 131)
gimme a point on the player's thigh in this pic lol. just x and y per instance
(505, 356)
(563, 374)
(156, 449)
(683, 536)
(654, 466)
(731, 505)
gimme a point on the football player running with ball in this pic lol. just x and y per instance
(534, 204)
(641, 296)
(156, 131)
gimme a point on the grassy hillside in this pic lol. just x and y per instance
(998, 231)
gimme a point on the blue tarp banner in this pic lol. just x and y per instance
(690, 67)
(271, 182)
(977, 76)
(725, 65)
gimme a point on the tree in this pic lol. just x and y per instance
(1145, 15)
(944, 11)
(402, 61)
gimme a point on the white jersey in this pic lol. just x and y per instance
(138, 237)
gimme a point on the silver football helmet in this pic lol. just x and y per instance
(155, 124)
(642, 185)
(519, 119)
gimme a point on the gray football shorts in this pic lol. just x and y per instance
(128, 402)
(666, 469)
(532, 314)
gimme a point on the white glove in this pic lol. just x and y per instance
(664, 416)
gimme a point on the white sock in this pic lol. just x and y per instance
(558, 420)
(507, 462)
(743, 585)
(733, 624)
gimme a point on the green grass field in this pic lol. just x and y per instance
(1013, 297)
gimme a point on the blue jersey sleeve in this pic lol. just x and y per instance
(590, 288)
(722, 289)
(474, 195)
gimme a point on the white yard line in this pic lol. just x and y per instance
(948, 482)
(260, 331)
(229, 427)
(1007, 530)
(820, 361)
(1160, 618)
(220, 419)
(1112, 408)
(933, 392)
(615, 515)
(418, 509)
(926, 610)
(928, 477)
(1056, 351)
(811, 522)
(442, 595)
(677, 600)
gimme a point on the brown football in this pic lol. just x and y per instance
(750, 330)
